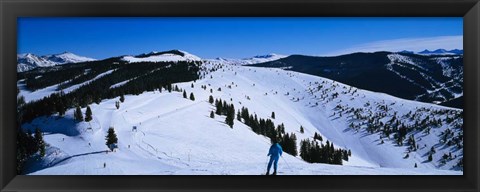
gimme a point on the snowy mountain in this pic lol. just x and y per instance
(426, 78)
(441, 52)
(387, 135)
(30, 61)
(173, 55)
(247, 61)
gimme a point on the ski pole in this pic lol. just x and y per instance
(265, 166)
(286, 163)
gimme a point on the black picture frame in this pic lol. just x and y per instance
(10, 10)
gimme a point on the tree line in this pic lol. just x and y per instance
(151, 76)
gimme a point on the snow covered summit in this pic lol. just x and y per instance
(165, 56)
(29, 61)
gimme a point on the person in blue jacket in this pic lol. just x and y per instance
(275, 152)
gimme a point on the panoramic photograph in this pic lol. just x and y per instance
(239, 96)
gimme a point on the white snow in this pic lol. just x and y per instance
(247, 61)
(167, 57)
(177, 136)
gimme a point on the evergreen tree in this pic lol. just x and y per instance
(39, 142)
(210, 99)
(88, 114)
(184, 94)
(192, 97)
(239, 117)
(230, 116)
(78, 114)
(289, 144)
(61, 109)
(218, 107)
(212, 115)
(122, 98)
(111, 139)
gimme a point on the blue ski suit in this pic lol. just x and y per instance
(275, 152)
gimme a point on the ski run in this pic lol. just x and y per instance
(177, 136)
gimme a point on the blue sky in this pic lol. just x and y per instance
(235, 37)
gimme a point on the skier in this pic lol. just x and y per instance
(275, 152)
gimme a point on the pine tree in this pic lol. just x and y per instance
(39, 142)
(230, 116)
(122, 98)
(184, 94)
(111, 138)
(219, 107)
(212, 115)
(61, 109)
(192, 97)
(78, 114)
(239, 117)
(210, 99)
(88, 114)
(273, 115)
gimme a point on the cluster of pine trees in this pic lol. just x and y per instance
(289, 143)
(312, 152)
(28, 144)
(192, 97)
(68, 75)
(78, 115)
(223, 108)
(142, 77)
(401, 127)
(267, 128)
(260, 126)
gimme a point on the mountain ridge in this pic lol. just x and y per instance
(29, 61)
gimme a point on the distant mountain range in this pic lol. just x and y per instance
(436, 52)
(428, 76)
(31, 61)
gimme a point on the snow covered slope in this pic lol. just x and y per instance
(30, 61)
(426, 78)
(176, 135)
(247, 61)
(174, 55)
